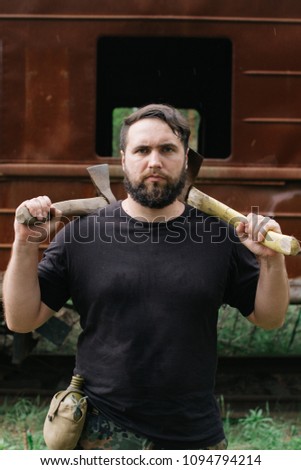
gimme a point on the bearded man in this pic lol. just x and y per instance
(147, 276)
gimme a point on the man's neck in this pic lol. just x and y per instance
(139, 212)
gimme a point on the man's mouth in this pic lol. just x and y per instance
(154, 178)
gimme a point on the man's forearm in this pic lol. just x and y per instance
(272, 296)
(21, 292)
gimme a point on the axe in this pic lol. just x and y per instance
(77, 207)
(284, 244)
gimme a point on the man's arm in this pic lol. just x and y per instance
(272, 294)
(23, 308)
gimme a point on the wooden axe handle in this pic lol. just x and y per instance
(74, 207)
(284, 244)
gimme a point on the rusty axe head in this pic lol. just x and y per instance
(100, 176)
(194, 163)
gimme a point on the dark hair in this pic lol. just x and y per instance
(175, 120)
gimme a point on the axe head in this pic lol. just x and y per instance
(100, 176)
(194, 163)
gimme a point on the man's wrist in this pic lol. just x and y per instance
(23, 246)
(272, 262)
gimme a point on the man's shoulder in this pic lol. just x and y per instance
(198, 214)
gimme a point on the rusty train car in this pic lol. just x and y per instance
(66, 66)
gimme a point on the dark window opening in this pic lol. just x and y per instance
(192, 74)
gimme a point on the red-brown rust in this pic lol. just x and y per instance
(49, 101)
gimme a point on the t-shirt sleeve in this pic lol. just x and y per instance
(52, 272)
(242, 279)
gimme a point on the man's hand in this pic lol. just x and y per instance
(40, 208)
(254, 232)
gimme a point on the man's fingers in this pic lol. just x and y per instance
(258, 226)
(39, 207)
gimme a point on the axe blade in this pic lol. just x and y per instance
(194, 163)
(100, 176)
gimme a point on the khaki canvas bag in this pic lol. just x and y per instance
(65, 419)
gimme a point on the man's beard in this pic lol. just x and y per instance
(156, 196)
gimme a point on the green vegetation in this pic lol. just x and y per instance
(258, 430)
(21, 427)
(237, 336)
(118, 116)
(21, 424)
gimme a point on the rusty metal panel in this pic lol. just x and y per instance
(48, 100)
(290, 9)
(48, 94)
(47, 97)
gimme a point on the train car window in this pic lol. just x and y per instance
(189, 73)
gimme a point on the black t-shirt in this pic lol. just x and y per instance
(148, 296)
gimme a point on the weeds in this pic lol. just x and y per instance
(237, 336)
(21, 424)
(21, 427)
(258, 430)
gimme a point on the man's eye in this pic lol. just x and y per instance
(167, 149)
(142, 151)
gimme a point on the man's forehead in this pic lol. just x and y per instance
(149, 129)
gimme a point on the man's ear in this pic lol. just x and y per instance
(122, 159)
(186, 159)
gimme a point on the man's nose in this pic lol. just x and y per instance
(155, 159)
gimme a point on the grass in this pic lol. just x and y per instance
(237, 336)
(21, 427)
(21, 424)
(258, 430)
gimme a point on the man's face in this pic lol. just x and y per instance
(154, 163)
